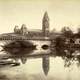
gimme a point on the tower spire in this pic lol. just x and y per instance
(45, 24)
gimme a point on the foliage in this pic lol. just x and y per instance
(67, 32)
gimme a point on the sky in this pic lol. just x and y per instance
(30, 12)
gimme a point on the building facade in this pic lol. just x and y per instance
(44, 32)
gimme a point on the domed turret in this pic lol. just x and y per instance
(24, 29)
(16, 29)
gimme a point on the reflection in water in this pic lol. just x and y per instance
(19, 48)
(45, 64)
(67, 53)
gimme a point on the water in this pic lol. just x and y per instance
(33, 70)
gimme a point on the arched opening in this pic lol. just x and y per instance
(45, 46)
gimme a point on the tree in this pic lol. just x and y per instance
(78, 31)
(67, 32)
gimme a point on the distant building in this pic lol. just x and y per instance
(22, 31)
(35, 33)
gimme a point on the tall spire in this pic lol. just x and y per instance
(46, 16)
(45, 24)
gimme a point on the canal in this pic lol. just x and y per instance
(33, 70)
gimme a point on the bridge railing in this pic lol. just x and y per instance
(24, 38)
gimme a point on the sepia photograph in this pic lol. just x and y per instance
(39, 39)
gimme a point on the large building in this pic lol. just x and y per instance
(44, 32)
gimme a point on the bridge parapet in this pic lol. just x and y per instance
(23, 38)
